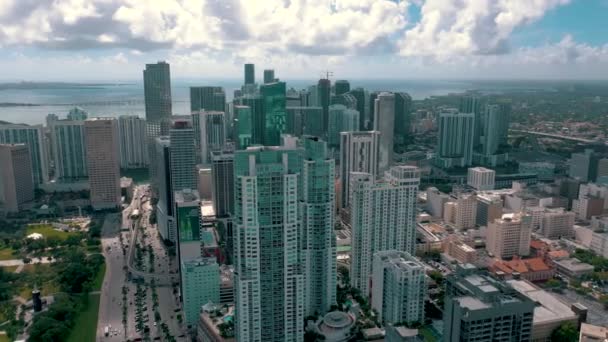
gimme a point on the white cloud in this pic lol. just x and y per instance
(466, 27)
(106, 38)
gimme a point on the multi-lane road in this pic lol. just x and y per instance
(117, 268)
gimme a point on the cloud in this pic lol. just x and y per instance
(470, 27)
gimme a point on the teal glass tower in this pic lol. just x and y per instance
(275, 116)
(242, 127)
(268, 277)
(318, 215)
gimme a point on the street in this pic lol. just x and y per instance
(135, 298)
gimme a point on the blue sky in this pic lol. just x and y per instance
(415, 39)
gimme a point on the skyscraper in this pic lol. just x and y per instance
(268, 277)
(183, 165)
(162, 181)
(583, 166)
(209, 133)
(243, 127)
(268, 76)
(200, 280)
(384, 122)
(222, 173)
(358, 153)
(455, 139)
(77, 114)
(16, 178)
(275, 117)
(103, 162)
(68, 148)
(207, 99)
(249, 74)
(341, 87)
(258, 123)
(133, 144)
(157, 92)
(360, 95)
(509, 236)
(399, 287)
(383, 217)
(33, 137)
(403, 110)
(480, 308)
(471, 104)
(318, 215)
(341, 119)
(323, 97)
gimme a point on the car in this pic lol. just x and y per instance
(154, 323)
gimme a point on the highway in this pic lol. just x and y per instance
(557, 136)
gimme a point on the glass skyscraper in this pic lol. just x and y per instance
(157, 92)
(318, 209)
(33, 137)
(268, 277)
(69, 150)
(275, 117)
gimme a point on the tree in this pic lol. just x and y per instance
(566, 332)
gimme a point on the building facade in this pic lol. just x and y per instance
(382, 218)
(200, 285)
(509, 236)
(399, 287)
(68, 148)
(480, 178)
(384, 122)
(33, 137)
(269, 277)
(455, 139)
(133, 142)
(16, 177)
(341, 119)
(358, 153)
(157, 92)
(209, 133)
(103, 162)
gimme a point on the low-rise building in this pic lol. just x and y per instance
(549, 312)
(572, 267)
(534, 269)
(216, 324)
(460, 251)
(593, 333)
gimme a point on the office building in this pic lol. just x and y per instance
(182, 155)
(200, 279)
(222, 173)
(460, 251)
(341, 119)
(403, 110)
(318, 214)
(480, 308)
(466, 211)
(16, 177)
(275, 117)
(398, 287)
(208, 98)
(583, 166)
(33, 137)
(471, 104)
(209, 133)
(455, 139)
(157, 92)
(323, 98)
(187, 214)
(249, 73)
(341, 87)
(204, 182)
(133, 148)
(602, 170)
(103, 162)
(268, 277)
(384, 122)
(489, 208)
(268, 76)
(382, 218)
(435, 202)
(557, 223)
(243, 127)
(312, 121)
(361, 97)
(481, 179)
(549, 313)
(162, 181)
(256, 108)
(509, 236)
(358, 153)
(68, 149)
(504, 119)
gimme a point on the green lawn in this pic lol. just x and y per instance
(4, 338)
(47, 231)
(40, 275)
(10, 269)
(85, 327)
(98, 281)
(6, 253)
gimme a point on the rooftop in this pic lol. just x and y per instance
(548, 307)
